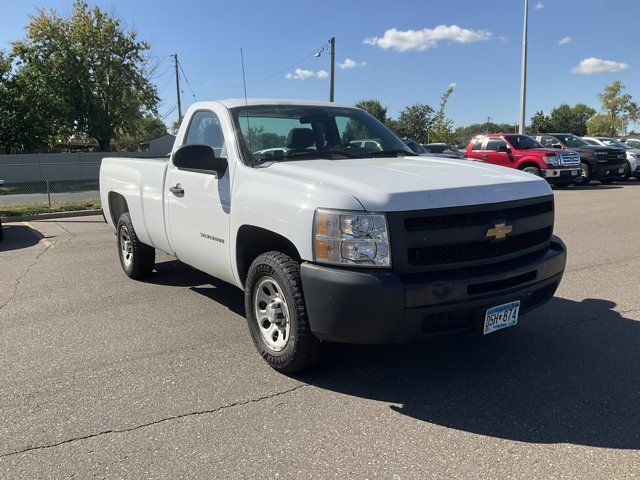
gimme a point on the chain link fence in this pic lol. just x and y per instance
(50, 179)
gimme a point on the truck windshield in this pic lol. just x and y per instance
(611, 142)
(522, 142)
(571, 141)
(272, 133)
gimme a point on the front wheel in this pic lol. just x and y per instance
(533, 171)
(276, 314)
(136, 258)
(584, 175)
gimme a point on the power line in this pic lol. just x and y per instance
(193, 94)
(169, 112)
(268, 77)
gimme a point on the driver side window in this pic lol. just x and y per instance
(205, 129)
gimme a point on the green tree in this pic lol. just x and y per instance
(463, 135)
(540, 123)
(618, 106)
(375, 108)
(149, 127)
(604, 125)
(27, 119)
(97, 70)
(415, 122)
(442, 126)
(563, 118)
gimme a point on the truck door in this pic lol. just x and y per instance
(496, 151)
(476, 150)
(198, 204)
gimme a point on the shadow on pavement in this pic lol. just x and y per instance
(569, 373)
(17, 237)
(177, 274)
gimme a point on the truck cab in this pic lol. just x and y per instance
(331, 239)
(524, 153)
(606, 164)
(633, 154)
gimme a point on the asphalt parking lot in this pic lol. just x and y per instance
(103, 376)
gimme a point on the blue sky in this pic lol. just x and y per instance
(401, 54)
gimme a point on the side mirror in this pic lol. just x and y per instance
(556, 145)
(199, 158)
(504, 149)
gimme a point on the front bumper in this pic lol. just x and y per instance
(605, 171)
(561, 175)
(380, 306)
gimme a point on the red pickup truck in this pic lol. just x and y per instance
(558, 167)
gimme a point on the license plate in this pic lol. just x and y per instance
(574, 172)
(501, 316)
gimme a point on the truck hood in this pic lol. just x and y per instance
(412, 183)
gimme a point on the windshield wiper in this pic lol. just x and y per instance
(390, 153)
(308, 155)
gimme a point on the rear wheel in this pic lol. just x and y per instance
(136, 258)
(584, 175)
(276, 314)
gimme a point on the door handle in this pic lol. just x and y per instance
(178, 191)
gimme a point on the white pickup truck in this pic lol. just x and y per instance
(330, 240)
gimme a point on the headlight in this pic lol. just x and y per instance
(635, 156)
(552, 160)
(351, 238)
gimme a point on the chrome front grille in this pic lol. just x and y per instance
(569, 158)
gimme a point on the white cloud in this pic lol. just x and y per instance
(539, 6)
(502, 38)
(565, 40)
(597, 65)
(402, 41)
(350, 63)
(300, 74)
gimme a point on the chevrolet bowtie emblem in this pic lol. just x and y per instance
(499, 232)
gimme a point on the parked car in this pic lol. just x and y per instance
(367, 143)
(633, 154)
(526, 154)
(443, 149)
(331, 241)
(632, 142)
(415, 146)
(606, 164)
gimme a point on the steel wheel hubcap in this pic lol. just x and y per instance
(272, 314)
(125, 246)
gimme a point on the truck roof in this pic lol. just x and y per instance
(241, 102)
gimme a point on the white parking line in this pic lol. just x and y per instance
(44, 241)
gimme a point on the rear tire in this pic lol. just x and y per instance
(584, 176)
(136, 258)
(276, 314)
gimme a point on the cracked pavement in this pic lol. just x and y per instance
(106, 377)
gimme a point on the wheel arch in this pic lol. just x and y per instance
(117, 206)
(252, 241)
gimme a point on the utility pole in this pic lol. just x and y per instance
(487, 126)
(175, 61)
(523, 80)
(332, 44)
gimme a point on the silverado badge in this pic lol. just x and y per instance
(499, 231)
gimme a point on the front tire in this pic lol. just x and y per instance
(584, 176)
(533, 171)
(136, 258)
(276, 314)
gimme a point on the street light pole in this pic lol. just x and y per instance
(523, 80)
(332, 44)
